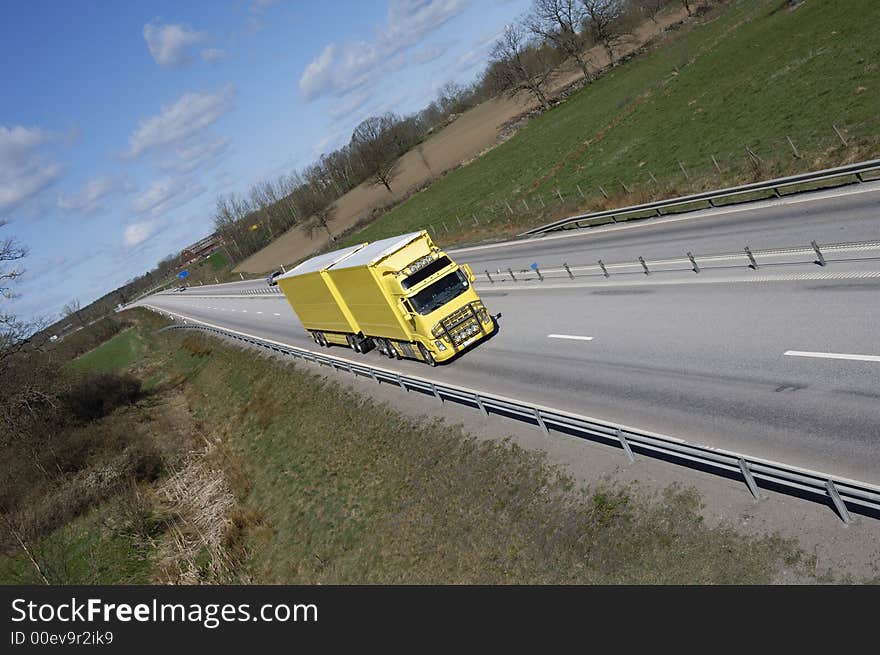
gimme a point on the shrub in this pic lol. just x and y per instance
(96, 395)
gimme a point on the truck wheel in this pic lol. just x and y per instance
(427, 356)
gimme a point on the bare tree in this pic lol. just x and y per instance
(557, 22)
(604, 19)
(687, 5)
(520, 67)
(73, 309)
(13, 331)
(374, 141)
(321, 220)
(651, 7)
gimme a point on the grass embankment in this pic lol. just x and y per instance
(272, 474)
(115, 355)
(747, 76)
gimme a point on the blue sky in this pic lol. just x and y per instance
(121, 122)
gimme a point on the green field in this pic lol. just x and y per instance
(114, 355)
(749, 76)
(85, 551)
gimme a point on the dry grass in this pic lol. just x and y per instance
(347, 492)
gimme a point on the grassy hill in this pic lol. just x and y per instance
(747, 75)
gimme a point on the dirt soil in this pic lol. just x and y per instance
(471, 134)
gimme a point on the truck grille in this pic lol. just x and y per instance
(461, 325)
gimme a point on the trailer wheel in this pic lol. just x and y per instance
(386, 348)
(322, 340)
(427, 356)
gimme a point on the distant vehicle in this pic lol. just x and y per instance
(54, 337)
(181, 288)
(403, 296)
(271, 278)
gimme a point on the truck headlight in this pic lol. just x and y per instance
(440, 345)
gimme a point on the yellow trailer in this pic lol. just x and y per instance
(402, 295)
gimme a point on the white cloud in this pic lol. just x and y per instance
(169, 44)
(409, 21)
(257, 9)
(138, 233)
(166, 194)
(197, 153)
(192, 113)
(341, 69)
(213, 55)
(349, 105)
(88, 200)
(24, 172)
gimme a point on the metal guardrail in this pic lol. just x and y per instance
(827, 253)
(843, 495)
(855, 171)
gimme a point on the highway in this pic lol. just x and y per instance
(782, 362)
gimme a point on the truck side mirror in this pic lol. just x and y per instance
(469, 272)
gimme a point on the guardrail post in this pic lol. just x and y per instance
(509, 207)
(821, 261)
(753, 264)
(750, 479)
(714, 161)
(625, 188)
(538, 271)
(693, 261)
(603, 192)
(476, 222)
(402, 385)
(797, 155)
(604, 270)
(541, 421)
(654, 179)
(625, 445)
(644, 265)
(561, 199)
(526, 205)
(839, 135)
(436, 393)
(568, 270)
(839, 505)
(541, 198)
(579, 190)
(445, 227)
(240, 275)
(490, 277)
(512, 276)
(481, 405)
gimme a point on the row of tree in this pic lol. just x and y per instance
(531, 49)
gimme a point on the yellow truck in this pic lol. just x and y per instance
(403, 296)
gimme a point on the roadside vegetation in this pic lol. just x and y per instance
(173, 457)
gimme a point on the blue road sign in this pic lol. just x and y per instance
(534, 266)
(182, 274)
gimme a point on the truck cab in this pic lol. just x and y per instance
(438, 298)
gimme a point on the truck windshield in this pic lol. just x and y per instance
(439, 293)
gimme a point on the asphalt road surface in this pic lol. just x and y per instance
(781, 364)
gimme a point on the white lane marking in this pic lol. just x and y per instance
(244, 311)
(277, 314)
(860, 358)
(569, 336)
(259, 312)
